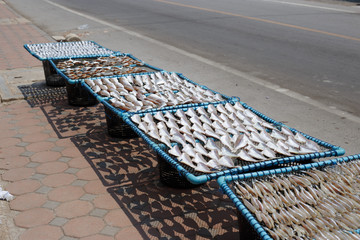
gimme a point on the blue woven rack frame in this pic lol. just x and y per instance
(75, 81)
(225, 180)
(26, 46)
(333, 151)
(104, 100)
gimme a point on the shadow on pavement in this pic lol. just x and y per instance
(128, 169)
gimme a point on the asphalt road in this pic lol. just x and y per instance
(314, 51)
(252, 49)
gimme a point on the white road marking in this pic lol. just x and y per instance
(309, 5)
(220, 66)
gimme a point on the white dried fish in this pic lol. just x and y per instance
(240, 115)
(232, 131)
(205, 119)
(166, 140)
(227, 152)
(138, 81)
(189, 150)
(226, 140)
(169, 116)
(180, 113)
(233, 117)
(218, 125)
(226, 161)
(243, 155)
(211, 145)
(300, 138)
(200, 149)
(185, 129)
(199, 136)
(221, 109)
(201, 167)
(267, 152)
(305, 150)
(221, 132)
(96, 88)
(206, 126)
(239, 107)
(185, 122)
(178, 138)
(312, 145)
(267, 125)
(282, 151)
(159, 116)
(215, 117)
(175, 151)
(199, 159)
(136, 118)
(241, 141)
(271, 145)
(143, 126)
(164, 132)
(198, 128)
(154, 133)
(247, 122)
(211, 133)
(201, 111)
(286, 131)
(185, 159)
(89, 82)
(189, 138)
(190, 112)
(213, 165)
(227, 124)
(230, 108)
(148, 118)
(161, 125)
(214, 155)
(292, 142)
(256, 154)
(195, 120)
(255, 137)
(172, 124)
(249, 113)
(282, 144)
(265, 136)
(277, 135)
(211, 109)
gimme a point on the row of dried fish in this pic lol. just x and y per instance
(54, 50)
(160, 89)
(223, 136)
(88, 64)
(103, 72)
(315, 204)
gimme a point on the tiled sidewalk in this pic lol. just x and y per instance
(72, 181)
(57, 192)
(16, 31)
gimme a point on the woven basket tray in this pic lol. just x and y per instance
(198, 178)
(51, 76)
(79, 96)
(250, 227)
(116, 126)
(60, 50)
(154, 109)
(111, 71)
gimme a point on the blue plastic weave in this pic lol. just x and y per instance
(224, 182)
